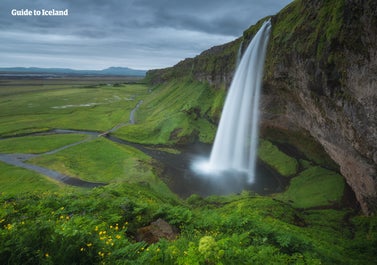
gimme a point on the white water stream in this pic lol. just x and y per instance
(235, 146)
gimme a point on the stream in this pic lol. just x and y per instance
(177, 168)
(177, 172)
(19, 160)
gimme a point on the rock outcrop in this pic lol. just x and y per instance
(320, 77)
(157, 230)
(324, 70)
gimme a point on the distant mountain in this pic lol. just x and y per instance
(108, 71)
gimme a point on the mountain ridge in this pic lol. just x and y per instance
(122, 71)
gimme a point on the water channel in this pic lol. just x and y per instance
(177, 168)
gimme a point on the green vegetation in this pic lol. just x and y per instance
(38, 144)
(320, 24)
(97, 108)
(315, 186)
(99, 227)
(101, 160)
(282, 163)
(304, 144)
(176, 112)
(45, 222)
(14, 180)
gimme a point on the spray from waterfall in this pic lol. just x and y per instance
(235, 146)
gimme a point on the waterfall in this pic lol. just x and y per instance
(239, 53)
(235, 146)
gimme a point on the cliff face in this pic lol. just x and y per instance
(320, 76)
(323, 65)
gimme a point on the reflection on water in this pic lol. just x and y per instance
(177, 169)
(186, 181)
(183, 180)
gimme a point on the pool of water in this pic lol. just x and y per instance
(179, 175)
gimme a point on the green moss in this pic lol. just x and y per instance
(313, 187)
(305, 144)
(309, 28)
(282, 163)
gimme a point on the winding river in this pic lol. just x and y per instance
(177, 171)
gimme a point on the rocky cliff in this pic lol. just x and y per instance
(320, 77)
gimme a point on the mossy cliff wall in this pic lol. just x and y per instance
(320, 77)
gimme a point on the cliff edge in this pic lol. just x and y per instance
(320, 77)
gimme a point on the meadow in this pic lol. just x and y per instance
(43, 221)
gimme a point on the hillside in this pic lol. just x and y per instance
(113, 71)
(319, 80)
(92, 170)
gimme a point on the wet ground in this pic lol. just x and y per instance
(177, 170)
(179, 175)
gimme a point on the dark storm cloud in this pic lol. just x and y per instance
(135, 33)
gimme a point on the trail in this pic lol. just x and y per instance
(19, 160)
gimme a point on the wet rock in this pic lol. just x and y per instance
(320, 77)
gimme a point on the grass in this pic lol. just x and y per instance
(174, 113)
(45, 222)
(38, 144)
(314, 187)
(98, 108)
(99, 226)
(103, 161)
(303, 143)
(282, 163)
(15, 181)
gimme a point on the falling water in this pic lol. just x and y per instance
(235, 146)
(239, 54)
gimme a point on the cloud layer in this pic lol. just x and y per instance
(143, 34)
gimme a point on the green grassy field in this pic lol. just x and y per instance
(45, 222)
(38, 143)
(81, 107)
(175, 112)
(83, 104)
(15, 180)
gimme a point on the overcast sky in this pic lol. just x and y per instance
(141, 34)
